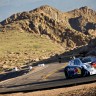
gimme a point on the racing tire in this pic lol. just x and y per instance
(66, 74)
(84, 72)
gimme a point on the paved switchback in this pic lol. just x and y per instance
(48, 84)
(37, 75)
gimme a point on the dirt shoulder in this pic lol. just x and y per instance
(81, 90)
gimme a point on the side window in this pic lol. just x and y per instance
(77, 62)
(71, 62)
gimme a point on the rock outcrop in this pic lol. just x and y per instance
(71, 29)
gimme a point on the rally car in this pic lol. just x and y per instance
(79, 68)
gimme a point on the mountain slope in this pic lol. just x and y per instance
(62, 31)
(56, 24)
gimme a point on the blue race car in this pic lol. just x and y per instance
(79, 68)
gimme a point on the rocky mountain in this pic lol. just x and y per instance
(44, 32)
(71, 29)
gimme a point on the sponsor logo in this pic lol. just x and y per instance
(77, 71)
(70, 69)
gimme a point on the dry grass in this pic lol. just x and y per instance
(17, 48)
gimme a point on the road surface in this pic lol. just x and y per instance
(48, 72)
(49, 76)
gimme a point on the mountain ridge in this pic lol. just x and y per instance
(44, 32)
(58, 26)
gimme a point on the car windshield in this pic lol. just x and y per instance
(77, 62)
(86, 60)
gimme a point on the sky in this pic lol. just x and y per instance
(9, 7)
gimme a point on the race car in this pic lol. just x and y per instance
(79, 68)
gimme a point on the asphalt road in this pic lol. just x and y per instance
(48, 72)
(48, 84)
(49, 76)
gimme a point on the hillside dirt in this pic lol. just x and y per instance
(44, 33)
(80, 90)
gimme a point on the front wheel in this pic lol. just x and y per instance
(84, 72)
(66, 74)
